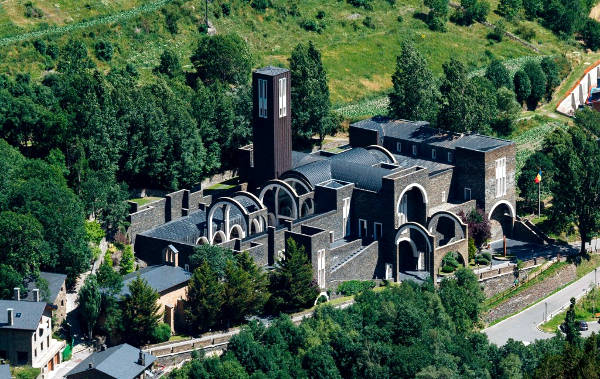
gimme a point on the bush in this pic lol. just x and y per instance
(480, 259)
(591, 34)
(321, 14)
(450, 262)
(260, 5)
(526, 32)
(472, 10)
(497, 34)
(94, 232)
(104, 50)
(361, 3)
(368, 22)
(487, 256)
(52, 50)
(32, 11)
(472, 248)
(354, 287)
(41, 46)
(311, 25)
(226, 9)
(448, 269)
(161, 333)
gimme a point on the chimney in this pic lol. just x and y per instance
(17, 292)
(36, 295)
(11, 319)
(142, 359)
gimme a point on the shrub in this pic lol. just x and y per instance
(161, 333)
(31, 11)
(40, 45)
(311, 25)
(591, 34)
(450, 262)
(399, 18)
(354, 287)
(226, 9)
(52, 50)
(487, 255)
(522, 86)
(497, 34)
(94, 232)
(104, 50)
(260, 5)
(361, 3)
(526, 32)
(472, 10)
(472, 248)
(321, 14)
(481, 260)
(368, 22)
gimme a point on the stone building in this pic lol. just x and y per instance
(120, 362)
(55, 296)
(383, 208)
(26, 335)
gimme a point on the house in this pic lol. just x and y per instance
(384, 207)
(122, 362)
(55, 296)
(26, 335)
(171, 284)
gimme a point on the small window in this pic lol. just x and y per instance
(467, 194)
(282, 97)
(377, 230)
(433, 154)
(388, 271)
(414, 149)
(41, 332)
(399, 147)
(262, 98)
(35, 353)
(48, 341)
(362, 228)
(450, 156)
(331, 236)
(443, 196)
(186, 267)
(42, 346)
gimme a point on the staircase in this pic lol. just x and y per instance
(347, 259)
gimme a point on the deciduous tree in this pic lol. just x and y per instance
(89, 299)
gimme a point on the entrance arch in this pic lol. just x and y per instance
(413, 247)
(412, 205)
(501, 218)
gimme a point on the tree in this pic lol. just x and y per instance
(570, 326)
(215, 256)
(462, 297)
(510, 8)
(479, 225)
(9, 279)
(22, 244)
(414, 96)
(311, 110)
(127, 261)
(291, 283)
(140, 313)
(575, 197)
(552, 79)
(169, 64)
(498, 74)
(508, 111)
(532, 8)
(522, 86)
(591, 34)
(511, 367)
(471, 11)
(538, 83)
(205, 297)
(438, 13)
(245, 289)
(222, 57)
(462, 109)
(89, 299)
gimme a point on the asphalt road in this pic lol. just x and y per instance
(523, 326)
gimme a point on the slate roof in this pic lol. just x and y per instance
(55, 283)
(421, 132)
(433, 167)
(271, 71)
(119, 361)
(185, 229)
(5, 372)
(159, 277)
(26, 314)
(358, 165)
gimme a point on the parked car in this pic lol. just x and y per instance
(581, 326)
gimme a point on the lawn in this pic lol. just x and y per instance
(141, 201)
(359, 59)
(585, 310)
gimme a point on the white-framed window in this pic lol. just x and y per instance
(321, 268)
(467, 194)
(443, 196)
(282, 97)
(362, 228)
(346, 217)
(377, 230)
(450, 156)
(414, 149)
(433, 154)
(501, 177)
(262, 98)
(399, 147)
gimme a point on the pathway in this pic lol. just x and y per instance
(524, 325)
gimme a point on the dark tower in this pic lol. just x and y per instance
(272, 124)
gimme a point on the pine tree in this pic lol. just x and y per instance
(570, 326)
(291, 283)
(89, 300)
(127, 261)
(204, 299)
(522, 86)
(311, 110)
(538, 83)
(140, 313)
(413, 97)
(553, 80)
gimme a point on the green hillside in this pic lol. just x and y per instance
(359, 53)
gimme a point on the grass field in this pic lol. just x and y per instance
(359, 59)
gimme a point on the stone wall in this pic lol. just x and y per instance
(361, 267)
(439, 188)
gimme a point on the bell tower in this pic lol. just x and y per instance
(272, 123)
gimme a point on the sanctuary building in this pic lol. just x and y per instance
(385, 207)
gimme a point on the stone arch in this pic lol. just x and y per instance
(406, 209)
(277, 186)
(252, 197)
(501, 218)
(255, 226)
(413, 247)
(225, 204)
(298, 185)
(307, 207)
(447, 227)
(414, 226)
(219, 237)
(202, 241)
(384, 151)
(509, 205)
(236, 231)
